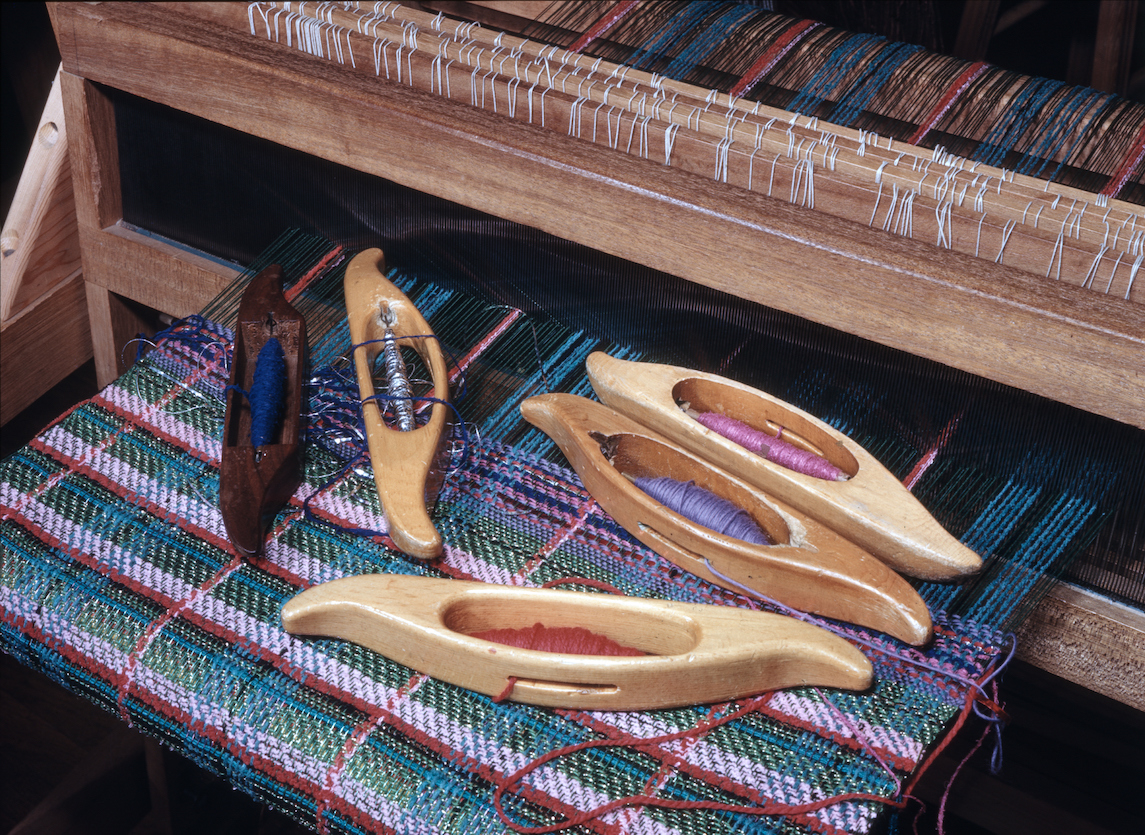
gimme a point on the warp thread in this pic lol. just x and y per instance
(771, 447)
(705, 508)
(267, 393)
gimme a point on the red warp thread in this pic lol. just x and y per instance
(292, 293)
(610, 19)
(626, 740)
(583, 581)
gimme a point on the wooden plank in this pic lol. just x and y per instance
(157, 274)
(114, 323)
(42, 345)
(94, 153)
(1074, 346)
(40, 241)
(1113, 48)
(1089, 640)
(1028, 223)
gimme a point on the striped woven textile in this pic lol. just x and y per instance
(118, 582)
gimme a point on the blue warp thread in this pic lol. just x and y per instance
(704, 508)
(267, 392)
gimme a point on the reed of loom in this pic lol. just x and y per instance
(826, 234)
(419, 127)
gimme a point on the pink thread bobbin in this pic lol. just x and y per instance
(770, 447)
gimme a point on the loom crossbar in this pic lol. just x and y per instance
(1051, 338)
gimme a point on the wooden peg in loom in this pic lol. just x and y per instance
(263, 422)
(693, 654)
(405, 461)
(807, 566)
(870, 507)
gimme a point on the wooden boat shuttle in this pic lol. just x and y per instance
(695, 654)
(808, 566)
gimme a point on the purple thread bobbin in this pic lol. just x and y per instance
(704, 508)
(770, 447)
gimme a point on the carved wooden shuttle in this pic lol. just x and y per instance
(406, 463)
(695, 653)
(255, 481)
(808, 567)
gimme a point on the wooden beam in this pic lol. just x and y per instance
(1066, 343)
(41, 248)
(1090, 640)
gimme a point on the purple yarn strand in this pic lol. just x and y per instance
(704, 508)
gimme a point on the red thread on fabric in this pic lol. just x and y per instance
(604, 23)
(626, 740)
(954, 776)
(1131, 161)
(485, 342)
(153, 629)
(956, 89)
(944, 744)
(583, 581)
(860, 738)
(558, 538)
(769, 58)
(508, 691)
(363, 730)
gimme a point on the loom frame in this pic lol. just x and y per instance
(985, 318)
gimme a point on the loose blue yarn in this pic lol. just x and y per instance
(704, 508)
(267, 393)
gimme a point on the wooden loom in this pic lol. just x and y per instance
(833, 255)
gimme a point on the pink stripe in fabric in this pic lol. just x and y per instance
(956, 89)
(1132, 160)
(606, 22)
(774, 52)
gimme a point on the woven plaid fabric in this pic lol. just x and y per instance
(118, 581)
